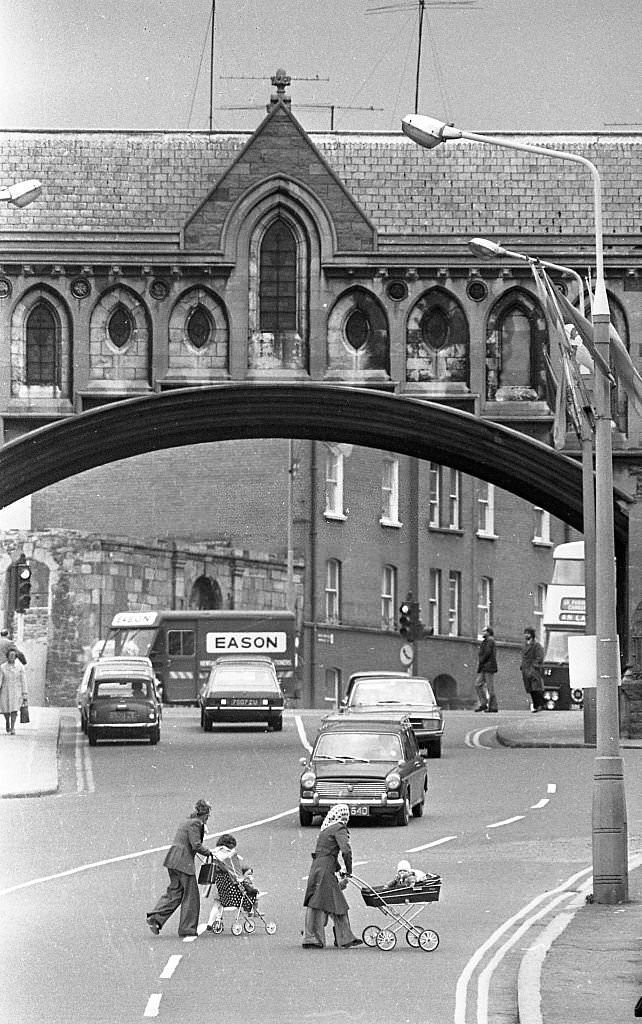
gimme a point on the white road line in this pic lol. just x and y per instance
(506, 821)
(80, 779)
(551, 788)
(138, 853)
(153, 1005)
(301, 731)
(539, 804)
(190, 938)
(461, 990)
(171, 965)
(472, 738)
(426, 846)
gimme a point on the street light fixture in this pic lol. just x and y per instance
(610, 873)
(486, 249)
(22, 193)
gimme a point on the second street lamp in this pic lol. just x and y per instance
(610, 867)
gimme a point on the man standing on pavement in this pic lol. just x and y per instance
(532, 669)
(183, 887)
(486, 669)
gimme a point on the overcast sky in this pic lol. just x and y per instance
(557, 65)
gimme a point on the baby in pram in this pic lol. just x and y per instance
(406, 875)
(234, 884)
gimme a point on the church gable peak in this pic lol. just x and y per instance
(280, 147)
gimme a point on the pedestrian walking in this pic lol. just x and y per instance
(323, 895)
(532, 669)
(486, 669)
(13, 689)
(182, 890)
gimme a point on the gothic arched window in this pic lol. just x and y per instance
(43, 346)
(278, 278)
(437, 340)
(516, 347)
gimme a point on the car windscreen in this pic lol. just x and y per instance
(241, 677)
(123, 689)
(391, 691)
(132, 642)
(360, 746)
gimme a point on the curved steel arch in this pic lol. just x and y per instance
(373, 419)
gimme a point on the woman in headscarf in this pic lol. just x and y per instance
(323, 895)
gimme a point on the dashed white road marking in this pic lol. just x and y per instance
(153, 1005)
(426, 846)
(539, 804)
(171, 965)
(506, 821)
(551, 788)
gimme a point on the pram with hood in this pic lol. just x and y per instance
(402, 905)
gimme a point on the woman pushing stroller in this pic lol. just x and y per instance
(233, 882)
(323, 895)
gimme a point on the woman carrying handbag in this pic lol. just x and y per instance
(13, 690)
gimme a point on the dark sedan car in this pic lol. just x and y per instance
(120, 701)
(242, 689)
(371, 693)
(371, 764)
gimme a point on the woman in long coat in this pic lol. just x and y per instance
(13, 689)
(323, 896)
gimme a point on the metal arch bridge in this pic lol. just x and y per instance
(373, 419)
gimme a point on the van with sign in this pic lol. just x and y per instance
(183, 645)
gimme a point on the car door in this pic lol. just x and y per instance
(416, 768)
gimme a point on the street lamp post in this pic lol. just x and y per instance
(487, 249)
(610, 869)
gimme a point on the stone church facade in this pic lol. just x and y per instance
(180, 259)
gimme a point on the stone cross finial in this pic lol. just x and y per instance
(280, 80)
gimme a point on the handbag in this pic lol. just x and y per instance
(206, 873)
(24, 714)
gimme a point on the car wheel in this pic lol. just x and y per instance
(154, 736)
(305, 817)
(207, 723)
(91, 736)
(434, 748)
(403, 815)
(418, 809)
(276, 724)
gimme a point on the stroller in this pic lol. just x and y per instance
(402, 905)
(233, 895)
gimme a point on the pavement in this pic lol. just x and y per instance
(584, 967)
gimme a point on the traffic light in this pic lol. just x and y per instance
(23, 584)
(404, 620)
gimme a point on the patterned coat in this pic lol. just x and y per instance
(323, 892)
(13, 687)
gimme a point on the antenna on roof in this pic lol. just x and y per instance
(304, 106)
(419, 5)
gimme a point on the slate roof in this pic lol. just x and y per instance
(123, 182)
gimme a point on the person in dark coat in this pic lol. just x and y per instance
(532, 669)
(323, 895)
(486, 669)
(182, 890)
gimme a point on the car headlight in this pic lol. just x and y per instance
(308, 780)
(393, 781)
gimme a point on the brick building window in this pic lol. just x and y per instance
(541, 526)
(485, 509)
(43, 346)
(434, 602)
(444, 497)
(484, 604)
(390, 493)
(334, 484)
(333, 590)
(388, 597)
(454, 603)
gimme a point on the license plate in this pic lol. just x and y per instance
(244, 702)
(359, 811)
(123, 716)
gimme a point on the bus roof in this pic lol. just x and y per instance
(573, 550)
(140, 620)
